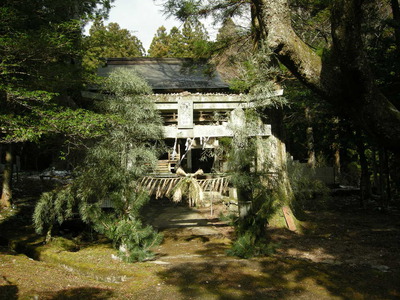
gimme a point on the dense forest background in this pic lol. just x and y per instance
(47, 61)
(75, 173)
(338, 64)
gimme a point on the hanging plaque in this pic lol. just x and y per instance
(185, 113)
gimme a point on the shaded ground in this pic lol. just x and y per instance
(349, 238)
(189, 233)
(348, 254)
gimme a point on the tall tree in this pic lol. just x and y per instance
(160, 45)
(175, 42)
(194, 38)
(6, 195)
(40, 75)
(342, 76)
(192, 41)
(231, 48)
(109, 41)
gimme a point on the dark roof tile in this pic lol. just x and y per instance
(171, 74)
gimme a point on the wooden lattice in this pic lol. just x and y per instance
(162, 187)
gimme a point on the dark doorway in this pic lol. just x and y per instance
(203, 161)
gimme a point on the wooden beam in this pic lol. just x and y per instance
(210, 131)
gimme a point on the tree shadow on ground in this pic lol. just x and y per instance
(8, 291)
(350, 254)
(279, 278)
(80, 293)
(26, 192)
(16, 225)
(169, 216)
(225, 280)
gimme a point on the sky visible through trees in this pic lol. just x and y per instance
(129, 15)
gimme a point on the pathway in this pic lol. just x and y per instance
(189, 233)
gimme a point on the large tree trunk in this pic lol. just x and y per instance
(6, 194)
(344, 79)
(364, 102)
(275, 160)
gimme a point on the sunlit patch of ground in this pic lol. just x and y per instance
(347, 255)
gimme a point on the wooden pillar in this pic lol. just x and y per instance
(6, 196)
(189, 161)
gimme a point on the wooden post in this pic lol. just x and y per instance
(189, 161)
(6, 196)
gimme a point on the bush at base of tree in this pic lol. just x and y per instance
(111, 172)
(249, 245)
(257, 189)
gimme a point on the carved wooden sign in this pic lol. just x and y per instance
(185, 113)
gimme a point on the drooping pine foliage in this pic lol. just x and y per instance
(255, 189)
(111, 172)
(258, 164)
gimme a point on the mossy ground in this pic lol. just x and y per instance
(349, 254)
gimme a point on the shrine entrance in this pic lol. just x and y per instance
(203, 160)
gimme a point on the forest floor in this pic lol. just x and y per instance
(346, 253)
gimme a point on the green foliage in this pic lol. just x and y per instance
(255, 185)
(191, 42)
(41, 42)
(194, 36)
(41, 78)
(311, 21)
(229, 218)
(230, 50)
(109, 41)
(111, 172)
(258, 77)
(220, 10)
(182, 9)
(119, 82)
(251, 170)
(133, 240)
(381, 29)
(252, 237)
(307, 111)
(266, 198)
(39, 114)
(248, 245)
(160, 45)
(53, 206)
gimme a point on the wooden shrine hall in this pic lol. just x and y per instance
(198, 110)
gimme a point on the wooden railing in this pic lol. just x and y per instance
(162, 187)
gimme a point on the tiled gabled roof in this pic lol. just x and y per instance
(171, 74)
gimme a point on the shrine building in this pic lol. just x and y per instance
(197, 107)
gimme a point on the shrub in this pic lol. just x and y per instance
(111, 172)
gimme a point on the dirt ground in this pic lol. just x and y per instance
(347, 253)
